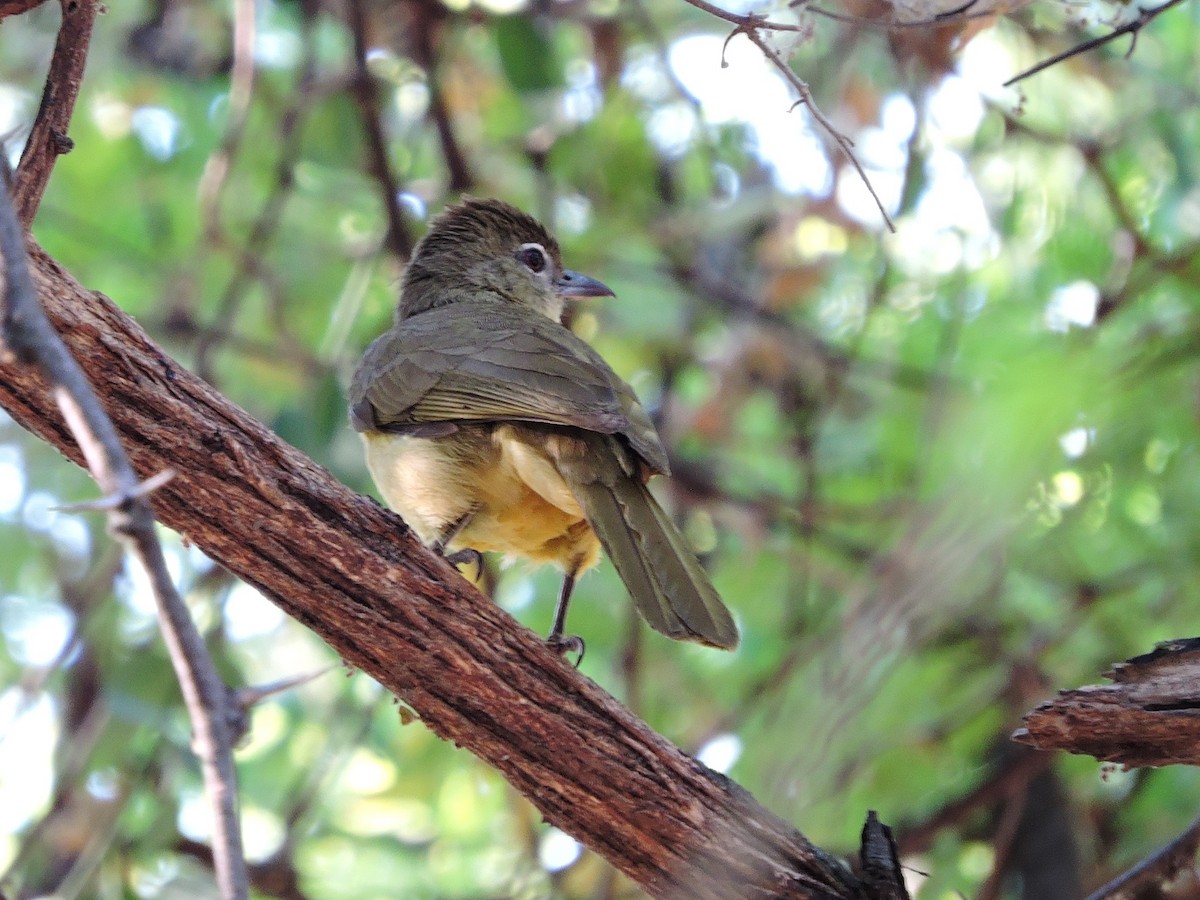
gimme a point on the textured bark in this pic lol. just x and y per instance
(1148, 716)
(349, 570)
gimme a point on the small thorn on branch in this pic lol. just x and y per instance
(116, 501)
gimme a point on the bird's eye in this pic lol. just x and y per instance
(533, 257)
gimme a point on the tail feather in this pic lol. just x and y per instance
(666, 581)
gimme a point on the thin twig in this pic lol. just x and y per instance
(426, 18)
(1158, 869)
(366, 96)
(1145, 16)
(752, 26)
(48, 140)
(747, 21)
(241, 94)
(1011, 777)
(251, 251)
(27, 336)
(941, 20)
(113, 501)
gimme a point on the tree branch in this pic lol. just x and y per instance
(1145, 16)
(17, 7)
(1168, 873)
(1149, 716)
(48, 140)
(752, 26)
(366, 95)
(351, 571)
(29, 339)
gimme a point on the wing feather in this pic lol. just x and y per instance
(485, 362)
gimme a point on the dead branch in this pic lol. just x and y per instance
(1149, 716)
(1010, 778)
(250, 251)
(17, 7)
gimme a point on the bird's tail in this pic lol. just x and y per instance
(668, 585)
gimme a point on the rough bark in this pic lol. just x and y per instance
(1148, 716)
(349, 570)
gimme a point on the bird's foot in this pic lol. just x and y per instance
(563, 644)
(464, 557)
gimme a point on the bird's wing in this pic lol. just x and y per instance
(468, 362)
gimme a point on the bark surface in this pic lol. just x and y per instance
(1148, 716)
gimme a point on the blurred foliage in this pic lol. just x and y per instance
(938, 473)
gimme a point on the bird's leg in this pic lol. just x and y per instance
(449, 533)
(565, 643)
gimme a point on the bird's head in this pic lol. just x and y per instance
(488, 249)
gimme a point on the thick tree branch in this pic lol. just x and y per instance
(348, 569)
(17, 7)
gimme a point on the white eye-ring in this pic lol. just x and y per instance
(533, 257)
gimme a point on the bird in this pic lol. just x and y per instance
(491, 427)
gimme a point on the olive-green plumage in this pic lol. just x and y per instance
(490, 426)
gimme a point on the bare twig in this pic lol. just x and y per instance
(1010, 778)
(752, 26)
(741, 21)
(366, 96)
(1003, 841)
(28, 336)
(941, 20)
(1151, 875)
(241, 93)
(113, 501)
(425, 19)
(250, 251)
(1145, 16)
(48, 139)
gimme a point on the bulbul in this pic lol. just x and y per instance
(489, 426)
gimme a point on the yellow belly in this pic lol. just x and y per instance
(517, 501)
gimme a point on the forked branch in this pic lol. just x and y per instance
(752, 26)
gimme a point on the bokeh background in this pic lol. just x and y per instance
(938, 473)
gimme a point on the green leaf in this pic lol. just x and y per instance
(527, 55)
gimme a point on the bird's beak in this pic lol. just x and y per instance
(573, 285)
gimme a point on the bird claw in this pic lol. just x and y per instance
(562, 644)
(465, 556)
